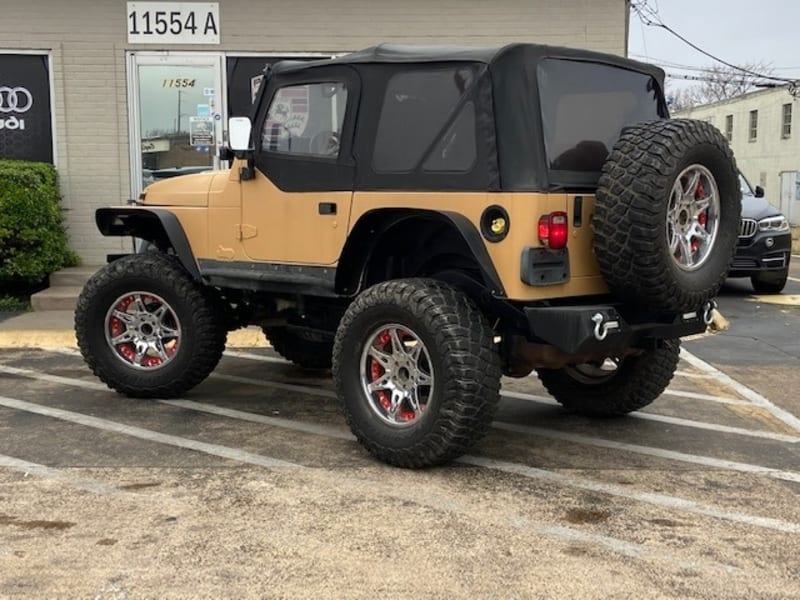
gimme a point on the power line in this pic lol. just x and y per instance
(757, 84)
(663, 62)
(650, 17)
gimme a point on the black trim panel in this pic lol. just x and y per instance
(369, 229)
(269, 277)
(542, 266)
(159, 226)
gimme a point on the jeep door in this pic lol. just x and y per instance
(297, 206)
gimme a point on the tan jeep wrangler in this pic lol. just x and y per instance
(425, 220)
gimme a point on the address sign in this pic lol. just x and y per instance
(173, 22)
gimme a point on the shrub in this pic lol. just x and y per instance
(33, 242)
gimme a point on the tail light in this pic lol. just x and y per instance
(553, 230)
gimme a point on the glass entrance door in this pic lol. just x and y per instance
(177, 115)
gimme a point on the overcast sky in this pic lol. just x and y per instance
(738, 31)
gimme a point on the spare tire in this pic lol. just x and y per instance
(667, 214)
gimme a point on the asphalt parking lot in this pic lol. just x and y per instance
(251, 486)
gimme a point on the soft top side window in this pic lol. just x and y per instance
(416, 107)
(306, 120)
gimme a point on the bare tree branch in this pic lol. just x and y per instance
(720, 83)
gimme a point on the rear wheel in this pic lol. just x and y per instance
(616, 386)
(770, 282)
(307, 350)
(416, 371)
(147, 329)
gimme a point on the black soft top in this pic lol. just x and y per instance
(521, 98)
(490, 55)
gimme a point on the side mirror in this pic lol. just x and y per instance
(759, 191)
(239, 130)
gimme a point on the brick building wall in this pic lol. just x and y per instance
(87, 42)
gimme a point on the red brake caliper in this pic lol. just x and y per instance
(117, 328)
(154, 361)
(384, 343)
(702, 218)
(376, 370)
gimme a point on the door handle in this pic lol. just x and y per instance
(327, 208)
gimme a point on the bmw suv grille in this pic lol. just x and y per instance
(747, 228)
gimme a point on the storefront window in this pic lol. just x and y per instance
(177, 108)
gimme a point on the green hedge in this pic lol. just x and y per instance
(33, 242)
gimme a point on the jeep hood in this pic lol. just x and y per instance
(186, 190)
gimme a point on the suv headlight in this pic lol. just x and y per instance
(774, 224)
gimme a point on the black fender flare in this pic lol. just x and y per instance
(159, 226)
(373, 224)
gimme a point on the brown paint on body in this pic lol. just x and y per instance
(228, 219)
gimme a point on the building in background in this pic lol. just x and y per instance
(763, 129)
(121, 93)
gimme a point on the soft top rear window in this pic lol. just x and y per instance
(585, 106)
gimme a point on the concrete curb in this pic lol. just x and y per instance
(252, 337)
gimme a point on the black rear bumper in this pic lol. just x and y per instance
(597, 328)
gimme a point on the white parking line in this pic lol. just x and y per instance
(41, 376)
(145, 434)
(288, 387)
(564, 534)
(291, 387)
(663, 500)
(577, 482)
(531, 472)
(741, 389)
(617, 545)
(698, 396)
(257, 357)
(767, 435)
(81, 483)
(499, 425)
(324, 430)
(706, 461)
(668, 391)
(707, 397)
(689, 375)
(795, 279)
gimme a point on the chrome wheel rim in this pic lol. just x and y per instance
(693, 217)
(594, 373)
(396, 375)
(142, 330)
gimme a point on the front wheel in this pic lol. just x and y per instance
(416, 371)
(614, 387)
(147, 329)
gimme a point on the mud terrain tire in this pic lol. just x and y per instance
(634, 197)
(202, 335)
(306, 352)
(463, 366)
(638, 381)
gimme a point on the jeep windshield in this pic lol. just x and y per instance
(584, 106)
